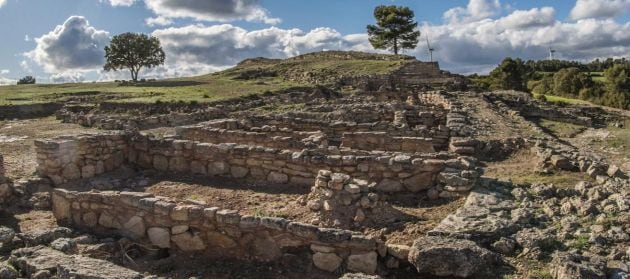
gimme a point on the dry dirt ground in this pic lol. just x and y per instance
(413, 217)
(17, 141)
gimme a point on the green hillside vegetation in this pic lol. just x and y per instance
(606, 83)
(252, 76)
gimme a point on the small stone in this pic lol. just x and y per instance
(359, 216)
(66, 245)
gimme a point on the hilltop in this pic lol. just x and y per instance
(251, 76)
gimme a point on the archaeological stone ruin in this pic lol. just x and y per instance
(390, 180)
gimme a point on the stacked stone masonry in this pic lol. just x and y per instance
(66, 159)
(69, 158)
(217, 232)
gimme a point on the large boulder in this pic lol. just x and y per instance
(442, 256)
(30, 261)
(571, 266)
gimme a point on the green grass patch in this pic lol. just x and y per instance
(252, 76)
(563, 100)
(198, 89)
(561, 129)
(619, 139)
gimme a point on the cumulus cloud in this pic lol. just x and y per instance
(4, 72)
(124, 3)
(158, 21)
(199, 48)
(74, 45)
(599, 9)
(67, 77)
(475, 10)
(7, 81)
(479, 45)
(212, 10)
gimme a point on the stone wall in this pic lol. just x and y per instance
(108, 121)
(6, 186)
(28, 111)
(216, 232)
(383, 141)
(392, 173)
(293, 140)
(68, 158)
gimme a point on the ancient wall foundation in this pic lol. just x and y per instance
(385, 142)
(215, 231)
(68, 158)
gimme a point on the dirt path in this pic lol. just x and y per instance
(17, 141)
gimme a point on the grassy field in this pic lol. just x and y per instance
(200, 89)
(561, 129)
(558, 99)
(249, 77)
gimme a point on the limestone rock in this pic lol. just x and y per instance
(66, 245)
(6, 235)
(327, 261)
(561, 162)
(449, 257)
(365, 263)
(135, 226)
(218, 239)
(419, 182)
(569, 266)
(159, 237)
(8, 272)
(34, 259)
(276, 177)
(189, 241)
(389, 185)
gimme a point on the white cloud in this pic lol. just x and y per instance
(475, 10)
(158, 21)
(75, 45)
(124, 3)
(599, 9)
(212, 10)
(4, 72)
(25, 66)
(27, 38)
(479, 45)
(7, 81)
(199, 48)
(67, 77)
(2, 2)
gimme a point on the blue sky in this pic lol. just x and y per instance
(62, 40)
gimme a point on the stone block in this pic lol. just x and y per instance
(365, 263)
(159, 237)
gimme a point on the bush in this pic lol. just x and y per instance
(26, 80)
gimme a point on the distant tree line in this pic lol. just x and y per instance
(564, 78)
(26, 80)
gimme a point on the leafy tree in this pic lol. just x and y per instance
(394, 29)
(511, 74)
(26, 80)
(617, 86)
(134, 52)
(569, 82)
